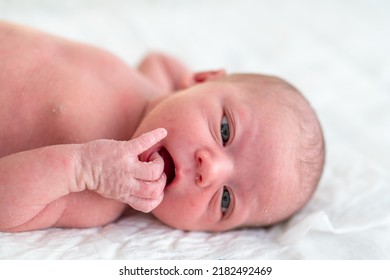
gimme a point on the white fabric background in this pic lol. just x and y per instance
(335, 51)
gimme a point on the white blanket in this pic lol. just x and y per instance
(336, 52)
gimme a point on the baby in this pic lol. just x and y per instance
(83, 137)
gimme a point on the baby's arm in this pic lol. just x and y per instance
(33, 182)
(167, 73)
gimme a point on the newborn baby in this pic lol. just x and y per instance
(83, 137)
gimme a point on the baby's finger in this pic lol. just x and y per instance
(147, 140)
(151, 170)
(146, 196)
(146, 189)
(145, 205)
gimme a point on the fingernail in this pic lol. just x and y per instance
(163, 132)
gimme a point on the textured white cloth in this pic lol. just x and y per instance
(336, 52)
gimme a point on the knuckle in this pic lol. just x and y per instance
(155, 171)
(155, 192)
(150, 190)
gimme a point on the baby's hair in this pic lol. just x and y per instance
(313, 149)
(312, 145)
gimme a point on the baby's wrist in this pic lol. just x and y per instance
(85, 175)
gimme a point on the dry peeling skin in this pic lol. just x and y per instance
(113, 170)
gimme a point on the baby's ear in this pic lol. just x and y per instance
(201, 77)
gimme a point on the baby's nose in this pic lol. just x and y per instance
(212, 168)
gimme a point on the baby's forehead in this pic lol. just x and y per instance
(260, 101)
(256, 87)
(256, 80)
(269, 96)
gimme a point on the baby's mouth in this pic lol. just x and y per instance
(169, 165)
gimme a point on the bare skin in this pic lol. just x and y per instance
(84, 137)
(56, 98)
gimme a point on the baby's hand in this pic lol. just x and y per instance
(113, 169)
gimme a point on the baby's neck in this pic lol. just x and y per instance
(152, 103)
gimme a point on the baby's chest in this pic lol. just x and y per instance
(31, 120)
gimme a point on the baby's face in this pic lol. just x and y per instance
(229, 157)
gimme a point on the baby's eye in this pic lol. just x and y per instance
(225, 202)
(225, 130)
